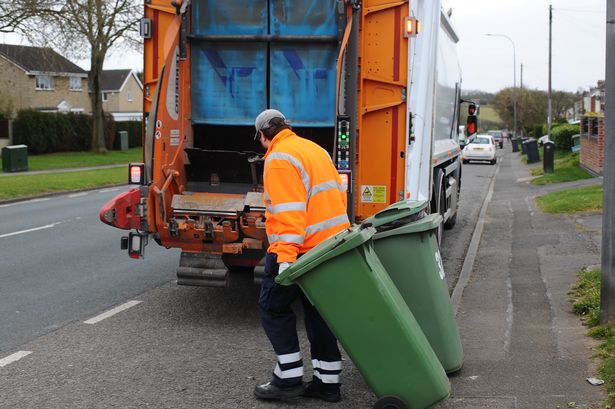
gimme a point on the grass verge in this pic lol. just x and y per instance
(33, 185)
(64, 160)
(566, 169)
(582, 199)
(585, 298)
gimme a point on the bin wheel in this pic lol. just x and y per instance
(390, 402)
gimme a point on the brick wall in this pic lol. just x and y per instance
(592, 144)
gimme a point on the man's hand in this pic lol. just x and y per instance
(283, 266)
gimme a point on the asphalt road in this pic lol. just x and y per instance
(172, 347)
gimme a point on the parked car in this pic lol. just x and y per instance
(480, 148)
(498, 137)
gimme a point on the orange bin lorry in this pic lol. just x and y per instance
(375, 82)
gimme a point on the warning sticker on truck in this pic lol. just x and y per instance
(373, 194)
(175, 140)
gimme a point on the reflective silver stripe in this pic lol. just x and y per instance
(323, 187)
(305, 178)
(288, 238)
(289, 373)
(327, 378)
(288, 358)
(334, 221)
(286, 207)
(343, 187)
(327, 366)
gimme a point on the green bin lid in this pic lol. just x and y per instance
(342, 242)
(427, 223)
(396, 212)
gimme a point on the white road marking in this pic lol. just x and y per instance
(14, 357)
(113, 189)
(44, 199)
(15, 233)
(112, 312)
(78, 194)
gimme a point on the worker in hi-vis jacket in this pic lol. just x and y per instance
(305, 205)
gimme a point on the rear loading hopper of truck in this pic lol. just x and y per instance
(358, 78)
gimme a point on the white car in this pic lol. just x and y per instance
(480, 147)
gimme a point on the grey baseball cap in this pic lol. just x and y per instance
(262, 120)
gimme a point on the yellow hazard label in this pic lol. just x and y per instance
(373, 194)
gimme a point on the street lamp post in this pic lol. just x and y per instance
(514, 78)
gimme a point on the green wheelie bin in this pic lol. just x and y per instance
(343, 278)
(406, 245)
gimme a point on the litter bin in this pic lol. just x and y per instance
(523, 148)
(548, 159)
(15, 158)
(515, 144)
(123, 140)
(344, 279)
(533, 155)
(407, 247)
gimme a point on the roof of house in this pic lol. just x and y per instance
(38, 59)
(113, 80)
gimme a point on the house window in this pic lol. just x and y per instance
(44, 82)
(129, 93)
(74, 84)
(105, 96)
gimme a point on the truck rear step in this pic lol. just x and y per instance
(201, 269)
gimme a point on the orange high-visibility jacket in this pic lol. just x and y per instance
(304, 196)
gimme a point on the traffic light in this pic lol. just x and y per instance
(472, 122)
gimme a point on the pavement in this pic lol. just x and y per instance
(523, 346)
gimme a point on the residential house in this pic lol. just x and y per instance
(122, 95)
(591, 101)
(40, 78)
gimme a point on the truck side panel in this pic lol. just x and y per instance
(382, 105)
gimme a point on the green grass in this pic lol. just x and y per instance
(489, 114)
(566, 169)
(583, 199)
(585, 298)
(82, 159)
(12, 187)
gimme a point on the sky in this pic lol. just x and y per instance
(487, 62)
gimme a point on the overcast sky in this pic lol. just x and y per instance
(487, 62)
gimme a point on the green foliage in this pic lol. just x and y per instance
(567, 169)
(32, 185)
(63, 160)
(134, 133)
(562, 135)
(483, 97)
(585, 296)
(46, 132)
(584, 199)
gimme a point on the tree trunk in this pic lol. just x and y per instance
(98, 119)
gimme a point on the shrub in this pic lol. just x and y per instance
(134, 133)
(562, 135)
(46, 132)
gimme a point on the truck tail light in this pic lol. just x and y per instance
(412, 27)
(135, 244)
(136, 174)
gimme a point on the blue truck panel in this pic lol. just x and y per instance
(229, 80)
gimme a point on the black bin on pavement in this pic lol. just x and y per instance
(523, 147)
(15, 158)
(533, 155)
(515, 144)
(548, 160)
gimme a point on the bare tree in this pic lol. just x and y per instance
(79, 28)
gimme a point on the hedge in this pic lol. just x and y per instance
(562, 135)
(134, 134)
(46, 132)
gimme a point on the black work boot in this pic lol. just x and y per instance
(273, 392)
(318, 390)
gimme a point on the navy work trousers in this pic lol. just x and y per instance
(279, 322)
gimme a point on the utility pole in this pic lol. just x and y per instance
(550, 114)
(607, 289)
(521, 76)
